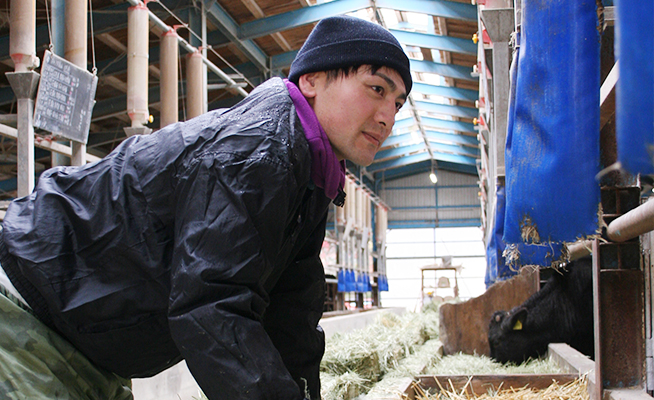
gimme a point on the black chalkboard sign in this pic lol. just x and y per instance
(65, 99)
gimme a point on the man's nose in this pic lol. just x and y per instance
(386, 115)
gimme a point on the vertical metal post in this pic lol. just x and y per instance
(499, 24)
(205, 79)
(198, 25)
(618, 302)
(76, 51)
(24, 85)
(58, 43)
(501, 88)
(194, 95)
(22, 38)
(24, 81)
(595, 390)
(169, 78)
(648, 244)
(137, 69)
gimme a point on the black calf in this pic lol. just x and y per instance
(561, 312)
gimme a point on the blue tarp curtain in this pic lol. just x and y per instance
(496, 269)
(635, 87)
(352, 281)
(552, 149)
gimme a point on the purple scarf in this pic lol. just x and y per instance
(326, 171)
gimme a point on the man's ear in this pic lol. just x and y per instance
(308, 84)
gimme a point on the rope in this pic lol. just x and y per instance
(95, 69)
(47, 17)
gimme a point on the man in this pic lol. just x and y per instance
(201, 241)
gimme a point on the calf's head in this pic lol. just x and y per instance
(509, 337)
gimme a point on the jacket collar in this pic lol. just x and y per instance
(326, 171)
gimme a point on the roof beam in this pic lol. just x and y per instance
(459, 126)
(437, 42)
(300, 17)
(258, 12)
(283, 60)
(424, 166)
(226, 24)
(462, 140)
(404, 151)
(435, 123)
(436, 8)
(446, 70)
(433, 136)
(308, 15)
(449, 92)
(454, 149)
(394, 140)
(447, 109)
(414, 158)
(398, 162)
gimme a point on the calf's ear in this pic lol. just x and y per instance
(518, 318)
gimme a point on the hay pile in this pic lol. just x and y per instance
(465, 364)
(575, 390)
(354, 362)
(395, 380)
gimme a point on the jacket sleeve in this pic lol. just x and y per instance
(232, 211)
(296, 306)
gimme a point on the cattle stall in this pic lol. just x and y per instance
(566, 162)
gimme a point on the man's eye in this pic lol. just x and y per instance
(398, 106)
(378, 89)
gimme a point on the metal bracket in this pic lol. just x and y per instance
(499, 22)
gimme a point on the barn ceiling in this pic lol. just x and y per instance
(252, 40)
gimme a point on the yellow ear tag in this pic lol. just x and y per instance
(517, 326)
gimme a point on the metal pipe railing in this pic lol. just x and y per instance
(41, 143)
(634, 223)
(186, 46)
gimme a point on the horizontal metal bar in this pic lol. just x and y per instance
(307, 15)
(431, 187)
(400, 151)
(436, 8)
(436, 207)
(437, 42)
(634, 223)
(445, 91)
(446, 70)
(432, 136)
(303, 16)
(436, 147)
(415, 158)
(53, 146)
(435, 123)
(454, 138)
(447, 109)
(441, 223)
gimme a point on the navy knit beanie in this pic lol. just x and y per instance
(343, 41)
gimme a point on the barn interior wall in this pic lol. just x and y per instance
(408, 250)
(415, 202)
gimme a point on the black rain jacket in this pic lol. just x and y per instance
(198, 242)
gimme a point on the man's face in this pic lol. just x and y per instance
(357, 111)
